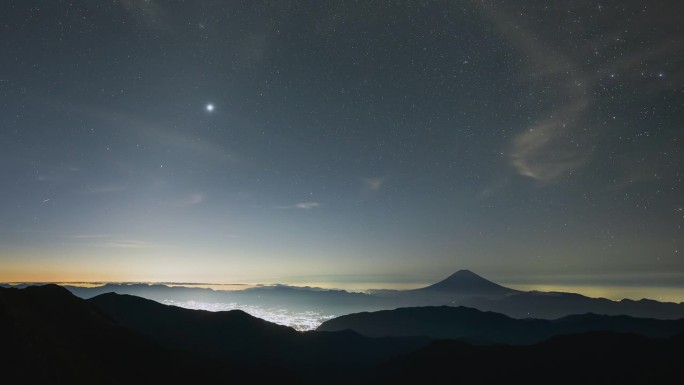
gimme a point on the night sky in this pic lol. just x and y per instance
(271, 141)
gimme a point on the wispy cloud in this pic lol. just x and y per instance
(301, 206)
(52, 173)
(91, 236)
(104, 189)
(110, 241)
(373, 184)
(548, 150)
(307, 205)
(130, 244)
(155, 135)
(560, 140)
(189, 200)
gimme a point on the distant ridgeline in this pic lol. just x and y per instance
(51, 336)
(463, 288)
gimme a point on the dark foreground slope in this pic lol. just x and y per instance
(475, 326)
(51, 337)
(237, 337)
(231, 334)
(592, 358)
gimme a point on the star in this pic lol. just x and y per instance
(209, 107)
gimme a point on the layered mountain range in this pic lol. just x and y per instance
(51, 336)
(463, 288)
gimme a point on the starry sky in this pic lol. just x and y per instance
(344, 141)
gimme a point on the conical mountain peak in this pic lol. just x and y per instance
(467, 282)
(464, 273)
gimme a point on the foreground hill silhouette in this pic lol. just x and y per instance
(463, 288)
(51, 336)
(239, 337)
(475, 326)
(591, 358)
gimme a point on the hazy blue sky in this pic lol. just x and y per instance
(228, 141)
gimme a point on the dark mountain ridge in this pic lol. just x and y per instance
(589, 358)
(236, 337)
(234, 333)
(51, 336)
(463, 288)
(479, 327)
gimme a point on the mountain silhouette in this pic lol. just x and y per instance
(465, 282)
(479, 327)
(590, 358)
(50, 336)
(229, 334)
(293, 298)
(237, 337)
(552, 305)
(463, 288)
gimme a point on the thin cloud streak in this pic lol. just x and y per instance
(559, 144)
(108, 241)
(547, 150)
(373, 184)
(154, 135)
(104, 189)
(130, 244)
(91, 236)
(301, 206)
(190, 200)
(308, 205)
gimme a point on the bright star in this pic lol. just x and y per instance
(210, 107)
